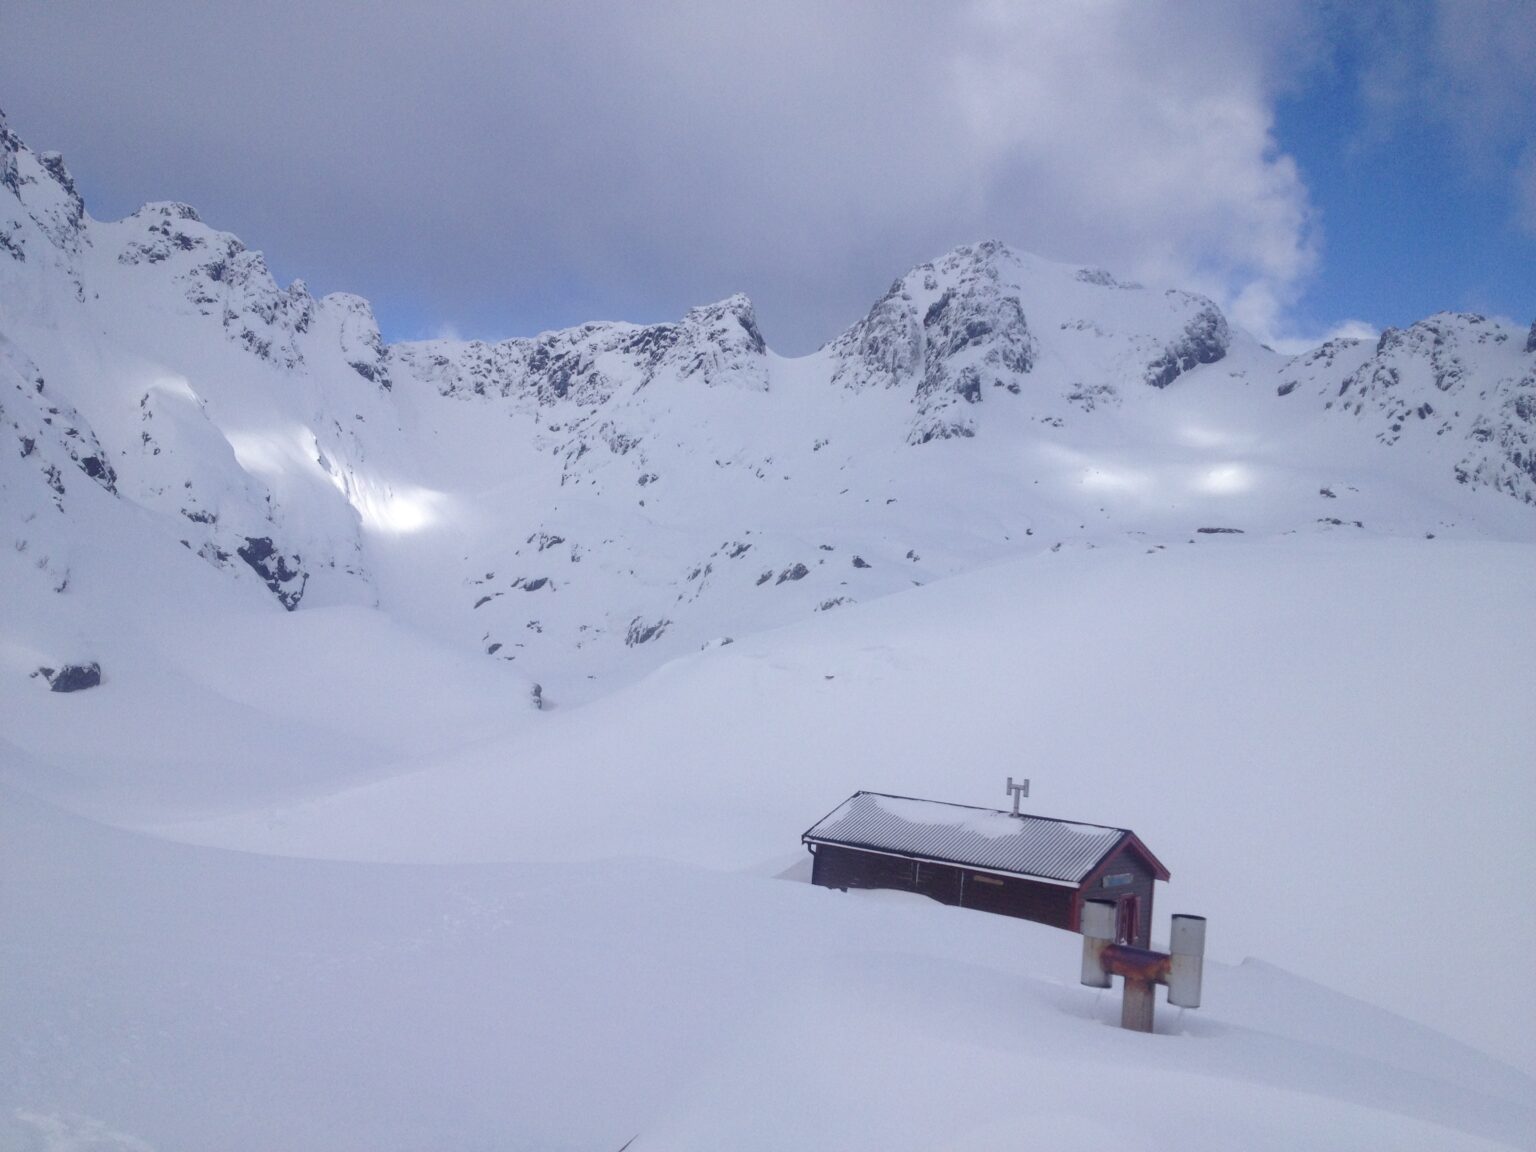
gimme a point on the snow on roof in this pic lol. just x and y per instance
(960, 834)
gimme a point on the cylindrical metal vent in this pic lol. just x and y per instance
(1098, 926)
(1186, 949)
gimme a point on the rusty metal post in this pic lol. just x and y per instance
(1142, 969)
(1098, 926)
(1186, 948)
(1138, 1002)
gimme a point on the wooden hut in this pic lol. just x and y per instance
(1032, 867)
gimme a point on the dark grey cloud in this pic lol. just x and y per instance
(503, 168)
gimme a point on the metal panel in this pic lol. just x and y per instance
(979, 837)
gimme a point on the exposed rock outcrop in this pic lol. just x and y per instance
(282, 574)
(72, 677)
(1204, 341)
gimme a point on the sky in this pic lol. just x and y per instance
(490, 170)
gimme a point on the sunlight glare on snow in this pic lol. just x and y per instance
(398, 511)
(1107, 478)
(388, 508)
(1204, 436)
(273, 452)
(1225, 480)
(383, 506)
(1099, 475)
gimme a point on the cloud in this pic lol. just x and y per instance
(1139, 136)
(1293, 344)
(503, 168)
(1482, 81)
(1466, 67)
(1525, 192)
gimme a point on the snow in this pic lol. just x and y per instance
(992, 825)
(329, 879)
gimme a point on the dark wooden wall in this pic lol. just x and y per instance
(1052, 904)
(1123, 861)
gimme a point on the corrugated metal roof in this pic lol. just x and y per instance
(959, 834)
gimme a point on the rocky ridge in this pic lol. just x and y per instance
(618, 493)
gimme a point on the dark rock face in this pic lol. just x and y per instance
(73, 677)
(362, 346)
(716, 344)
(1416, 383)
(793, 572)
(58, 211)
(100, 471)
(53, 164)
(1205, 340)
(51, 430)
(1530, 340)
(10, 144)
(12, 243)
(275, 568)
(225, 280)
(640, 632)
(972, 337)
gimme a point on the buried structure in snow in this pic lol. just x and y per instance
(1032, 867)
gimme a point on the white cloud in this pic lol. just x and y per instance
(1466, 66)
(1139, 136)
(1525, 192)
(515, 167)
(1293, 343)
(1483, 56)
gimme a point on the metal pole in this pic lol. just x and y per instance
(1138, 1000)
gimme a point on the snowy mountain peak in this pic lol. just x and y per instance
(170, 209)
(1456, 378)
(719, 322)
(357, 334)
(984, 317)
(713, 344)
(593, 500)
(44, 191)
(218, 276)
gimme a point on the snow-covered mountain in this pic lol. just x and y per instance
(1273, 612)
(589, 502)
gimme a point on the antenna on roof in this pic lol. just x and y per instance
(1016, 791)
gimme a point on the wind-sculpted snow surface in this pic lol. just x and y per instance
(509, 906)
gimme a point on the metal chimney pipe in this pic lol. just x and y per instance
(1098, 928)
(1186, 968)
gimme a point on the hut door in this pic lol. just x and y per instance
(1127, 919)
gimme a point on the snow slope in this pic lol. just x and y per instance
(590, 503)
(176, 998)
(423, 803)
(569, 935)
